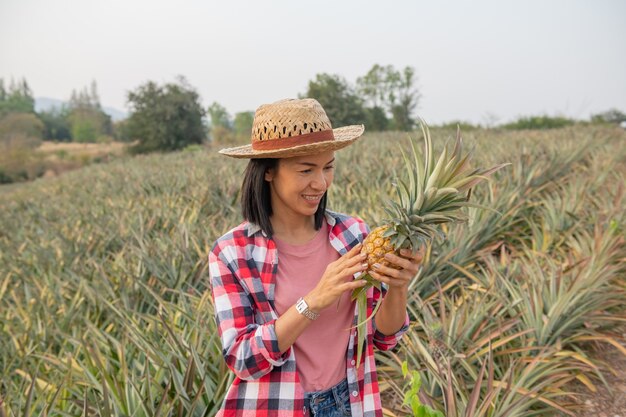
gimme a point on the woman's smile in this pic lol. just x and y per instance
(313, 199)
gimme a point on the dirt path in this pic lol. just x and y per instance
(606, 402)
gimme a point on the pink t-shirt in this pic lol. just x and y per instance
(320, 350)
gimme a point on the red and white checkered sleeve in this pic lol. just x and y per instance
(382, 341)
(249, 349)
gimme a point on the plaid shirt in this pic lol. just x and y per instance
(242, 266)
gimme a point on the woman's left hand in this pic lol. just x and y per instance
(409, 264)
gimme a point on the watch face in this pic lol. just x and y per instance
(301, 306)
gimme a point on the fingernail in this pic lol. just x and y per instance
(364, 265)
(376, 266)
(363, 255)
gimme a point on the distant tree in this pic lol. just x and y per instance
(220, 126)
(243, 124)
(539, 122)
(121, 131)
(373, 87)
(403, 97)
(218, 116)
(392, 92)
(375, 119)
(459, 124)
(56, 124)
(610, 116)
(88, 122)
(341, 103)
(18, 98)
(165, 117)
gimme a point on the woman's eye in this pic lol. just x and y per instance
(306, 171)
(329, 167)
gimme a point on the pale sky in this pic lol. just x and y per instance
(476, 60)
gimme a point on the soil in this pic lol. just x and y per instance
(607, 401)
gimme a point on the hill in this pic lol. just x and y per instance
(46, 104)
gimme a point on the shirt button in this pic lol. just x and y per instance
(355, 393)
(304, 410)
(352, 362)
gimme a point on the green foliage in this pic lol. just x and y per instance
(165, 118)
(18, 98)
(458, 124)
(242, 124)
(56, 124)
(613, 116)
(86, 119)
(218, 116)
(411, 396)
(20, 135)
(85, 127)
(394, 91)
(21, 125)
(342, 105)
(375, 119)
(539, 122)
(121, 131)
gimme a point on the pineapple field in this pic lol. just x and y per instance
(105, 310)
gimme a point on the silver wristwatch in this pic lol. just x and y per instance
(303, 308)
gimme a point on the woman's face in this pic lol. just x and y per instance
(298, 184)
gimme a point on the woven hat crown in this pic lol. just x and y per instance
(287, 118)
(293, 127)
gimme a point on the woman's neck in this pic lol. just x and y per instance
(293, 230)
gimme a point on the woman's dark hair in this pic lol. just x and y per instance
(256, 202)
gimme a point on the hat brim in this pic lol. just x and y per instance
(344, 136)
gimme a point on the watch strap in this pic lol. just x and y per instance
(303, 308)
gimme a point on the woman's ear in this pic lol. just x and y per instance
(269, 174)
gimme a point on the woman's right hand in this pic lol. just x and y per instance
(337, 279)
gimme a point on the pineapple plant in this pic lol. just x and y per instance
(436, 192)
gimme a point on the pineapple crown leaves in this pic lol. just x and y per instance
(436, 190)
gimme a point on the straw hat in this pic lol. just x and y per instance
(293, 127)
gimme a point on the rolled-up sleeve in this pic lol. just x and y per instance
(382, 341)
(249, 349)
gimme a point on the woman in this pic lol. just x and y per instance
(282, 279)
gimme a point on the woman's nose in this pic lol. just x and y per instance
(319, 182)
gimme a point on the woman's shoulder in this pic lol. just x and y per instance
(347, 222)
(237, 236)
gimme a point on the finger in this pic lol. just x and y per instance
(391, 281)
(354, 259)
(349, 272)
(353, 285)
(416, 256)
(409, 264)
(385, 270)
(380, 277)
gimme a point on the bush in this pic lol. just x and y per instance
(613, 116)
(539, 122)
(21, 125)
(165, 118)
(459, 124)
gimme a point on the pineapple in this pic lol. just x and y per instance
(434, 195)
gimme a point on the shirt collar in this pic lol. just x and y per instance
(253, 228)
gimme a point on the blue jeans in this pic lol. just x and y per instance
(333, 402)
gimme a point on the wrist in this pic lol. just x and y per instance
(303, 308)
(398, 292)
(312, 302)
